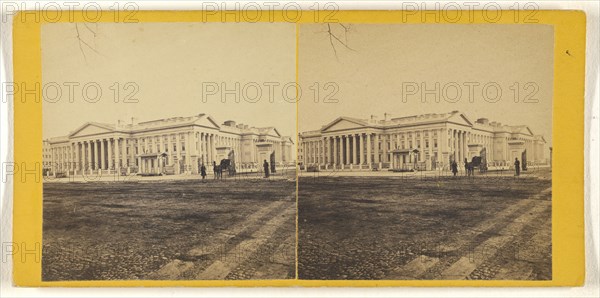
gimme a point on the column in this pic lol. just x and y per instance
(178, 146)
(96, 154)
(124, 152)
(201, 146)
(361, 149)
(341, 150)
(326, 150)
(313, 152)
(309, 157)
(454, 145)
(101, 154)
(393, 140)
(461, 142)
(335, 150)
(430, 132)
(348, 149)
(441, 139)
(213, 145)
(369, 160)
(138, 142)
(355, 148)
(376, 148)
(465, 144)
(458, 146)
(321, 151)
(422, 151)
(109, 145)
(317, 151)
(188, 151)
(89, 154)
(76, 156)
(117, 156)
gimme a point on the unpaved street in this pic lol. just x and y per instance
(495, 227)
(184, 229)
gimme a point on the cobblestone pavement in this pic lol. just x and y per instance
(177, 229)
(412, 228)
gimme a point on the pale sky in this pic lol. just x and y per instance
(169, 62)
(381, 57)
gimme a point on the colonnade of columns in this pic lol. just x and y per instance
(113, 153)
(184, 150)
(376, 148)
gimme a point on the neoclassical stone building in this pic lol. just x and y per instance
(168, 146)
(427, 142)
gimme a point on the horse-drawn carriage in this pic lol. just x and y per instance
(226, 165)
(477, 162)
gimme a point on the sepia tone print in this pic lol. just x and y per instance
(433, 161)
(155, 169)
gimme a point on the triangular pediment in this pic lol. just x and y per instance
(343, 123)
(207, 121)
(523, 130)
(460, 118)
(269, 131)
(91, 129)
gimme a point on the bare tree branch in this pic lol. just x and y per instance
(331, 40)
(80, 47)
(333, 37)
(82, 42)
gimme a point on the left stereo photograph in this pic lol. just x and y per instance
(169, 151)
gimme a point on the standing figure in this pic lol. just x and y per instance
(466, 167)
(215, 170)
(517, 167)
(454, 167)
(203, 171)
(266, 168)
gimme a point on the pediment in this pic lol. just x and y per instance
(207, 121)
(343, 124)
(90, 129)
(461, 119)
(524, 130)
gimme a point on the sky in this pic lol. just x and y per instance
(381, 59)
(171, 67)
(169, 64)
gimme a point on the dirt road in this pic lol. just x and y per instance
(169, 230)
(413, 228)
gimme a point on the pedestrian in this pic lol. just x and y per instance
(466, 167)
(215, 170)
(517, 167)
(454, 167)
(266, 168)
(203, 171)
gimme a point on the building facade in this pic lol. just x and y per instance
(166, 146)
(425, 142)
